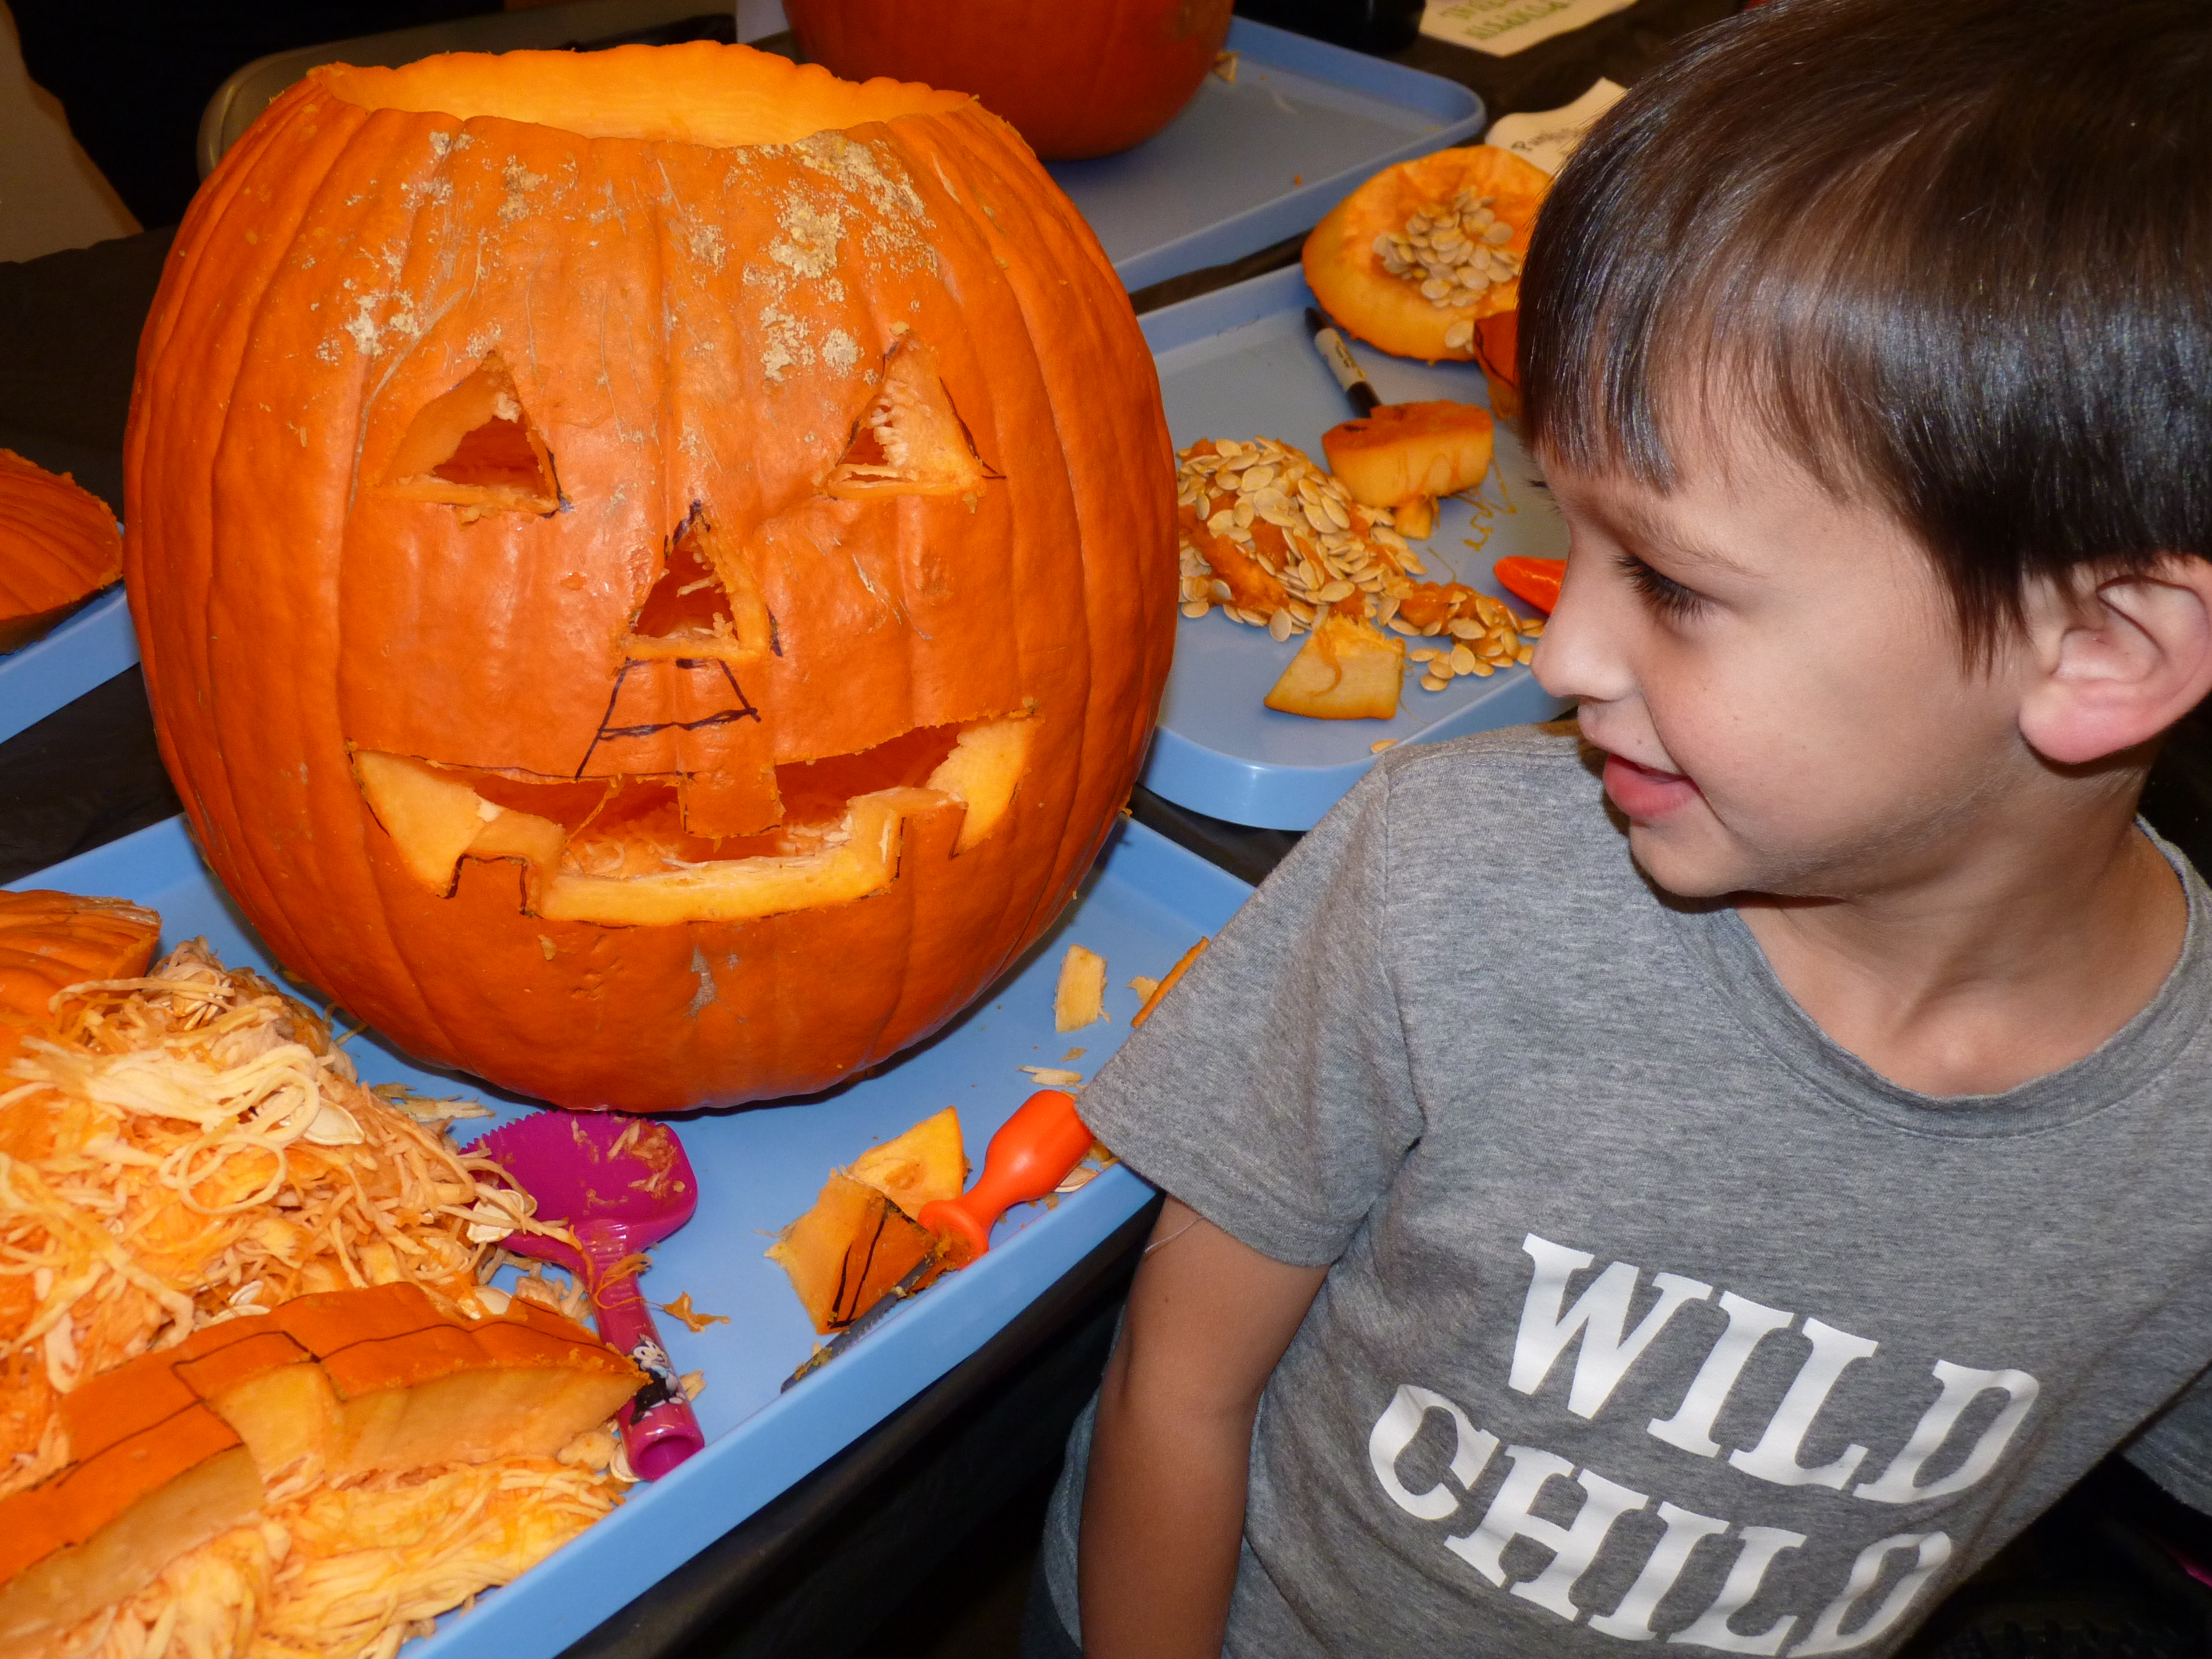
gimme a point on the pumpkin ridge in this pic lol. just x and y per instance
(373, 152)
(1081, 236)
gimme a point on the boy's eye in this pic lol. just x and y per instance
(1666, 596)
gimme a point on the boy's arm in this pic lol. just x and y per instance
(1164, 1502)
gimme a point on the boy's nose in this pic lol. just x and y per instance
(1577, 657)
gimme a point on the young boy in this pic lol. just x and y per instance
(1714, 1185)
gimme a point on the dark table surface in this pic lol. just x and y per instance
(878, 1517)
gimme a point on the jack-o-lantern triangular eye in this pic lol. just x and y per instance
(910, 440)
(705, 604)
(476, 448)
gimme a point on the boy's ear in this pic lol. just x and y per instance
(2114, 667)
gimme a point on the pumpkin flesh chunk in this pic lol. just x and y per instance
(1347, 670)
(627, 864)
(1404, 451)
(219, 1491)
(929, 1162)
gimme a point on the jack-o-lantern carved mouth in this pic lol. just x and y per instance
(675, 812)
(616, 852)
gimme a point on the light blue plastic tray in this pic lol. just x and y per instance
(1248, 164)
(1142, 907)
(91, 647)
(1239, 363)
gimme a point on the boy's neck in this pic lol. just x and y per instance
(2000, 969)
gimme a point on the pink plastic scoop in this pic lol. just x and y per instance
(621, 1184)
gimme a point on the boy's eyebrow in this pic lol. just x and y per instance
(1653, 529)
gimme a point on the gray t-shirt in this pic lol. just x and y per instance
(1654, 1313)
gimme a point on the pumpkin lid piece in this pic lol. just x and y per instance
(1419, 255)
(58, 545)
(172, 1447)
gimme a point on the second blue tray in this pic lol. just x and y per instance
(1250, 163)
(1239, 363)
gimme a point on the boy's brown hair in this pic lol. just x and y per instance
(1956, 254)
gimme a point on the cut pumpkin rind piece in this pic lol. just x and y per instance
(852, 1246)
(49, 941)
(1347, 671)
(175, 1448)
(1348, 275)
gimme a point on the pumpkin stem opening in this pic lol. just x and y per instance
(699, 93)
(476, 448)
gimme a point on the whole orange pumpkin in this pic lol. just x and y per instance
(655, 568)
(1075, 81)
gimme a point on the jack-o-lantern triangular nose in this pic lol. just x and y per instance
(705, 604)
(476, 448)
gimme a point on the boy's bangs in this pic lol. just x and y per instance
(1956, 266)
(1660, 351)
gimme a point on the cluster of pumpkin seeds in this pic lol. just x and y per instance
(1455, 251)
(1329, 550)
(1331, 553)
(1485, 636)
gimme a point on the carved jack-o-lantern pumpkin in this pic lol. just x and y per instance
(655, 568)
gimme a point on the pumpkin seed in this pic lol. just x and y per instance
(1459, 335)
(1281, 625)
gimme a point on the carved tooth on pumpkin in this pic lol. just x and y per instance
(909, 440)
(476, 448)
(435, 817)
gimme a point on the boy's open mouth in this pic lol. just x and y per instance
(1644, 792)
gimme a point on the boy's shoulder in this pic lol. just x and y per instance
(1528, 797)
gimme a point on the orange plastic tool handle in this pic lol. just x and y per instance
(1030, 1156)
(1537, 581)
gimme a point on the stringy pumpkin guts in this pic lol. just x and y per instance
(188, 1147)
